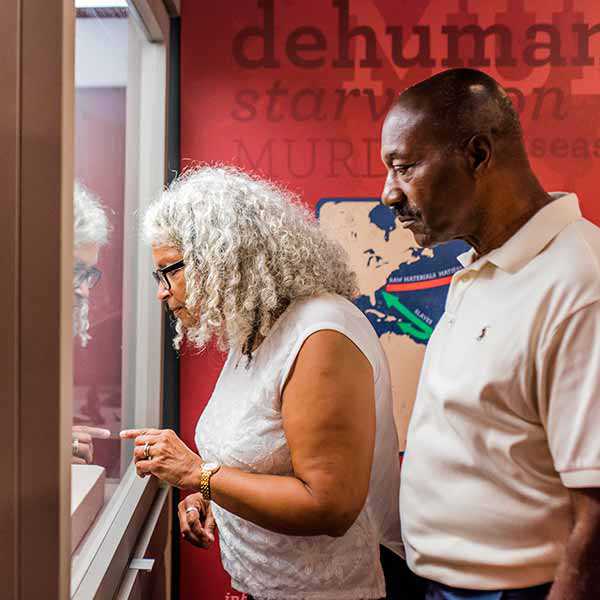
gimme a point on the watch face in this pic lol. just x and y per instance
(210, 466)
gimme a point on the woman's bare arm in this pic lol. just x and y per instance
(328, 410)
(329, 420)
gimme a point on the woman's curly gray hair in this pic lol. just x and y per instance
(249, 247)
(90, 226)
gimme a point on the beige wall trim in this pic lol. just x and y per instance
(154, 17)
(45, 296)
(36, 98)
(10, 41)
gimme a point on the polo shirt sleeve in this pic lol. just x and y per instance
(570, 397)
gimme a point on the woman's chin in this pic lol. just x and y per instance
(184, 319)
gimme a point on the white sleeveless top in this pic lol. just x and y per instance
(242, 427)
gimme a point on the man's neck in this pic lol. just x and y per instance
(505, 218)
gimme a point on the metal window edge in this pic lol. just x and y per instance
(106, 569)
(91, 543)
(138, 561)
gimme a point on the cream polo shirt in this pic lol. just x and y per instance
(507, 415)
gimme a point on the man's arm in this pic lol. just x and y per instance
(578, 575)
(569, 380)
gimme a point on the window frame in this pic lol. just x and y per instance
(36, 73)
(104, 554)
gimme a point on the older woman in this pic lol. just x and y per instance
(90, 233)
(298, 455)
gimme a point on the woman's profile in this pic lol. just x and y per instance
(297, 462)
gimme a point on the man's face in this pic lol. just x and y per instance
(428, 186)
(174, 298)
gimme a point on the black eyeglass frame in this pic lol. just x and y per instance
(160, 275)
(90, 275)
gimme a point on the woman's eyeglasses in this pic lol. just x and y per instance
(161, 275)
(83, 274)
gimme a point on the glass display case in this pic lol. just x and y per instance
(119, 158)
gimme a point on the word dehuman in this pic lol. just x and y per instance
(306, 46)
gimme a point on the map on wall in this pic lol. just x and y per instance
(403, 286)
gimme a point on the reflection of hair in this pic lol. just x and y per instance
(81, 320)
(90, 223)
(249, 247)
(90, 226)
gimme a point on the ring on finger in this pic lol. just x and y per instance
(75, 447)
(191, 509)
(147, 451)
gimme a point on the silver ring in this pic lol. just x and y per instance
(190, 509)
(147, 451)
(75, 446)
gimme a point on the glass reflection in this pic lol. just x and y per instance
(102, 55)
(90, 233)
(119, 165)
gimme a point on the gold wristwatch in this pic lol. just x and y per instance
(208, 470)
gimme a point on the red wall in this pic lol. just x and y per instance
(282, 101)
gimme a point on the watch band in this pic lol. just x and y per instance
(205, 475)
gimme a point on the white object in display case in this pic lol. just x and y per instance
(87, 498)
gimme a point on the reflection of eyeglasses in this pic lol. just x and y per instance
(161, 274)
(88, 275)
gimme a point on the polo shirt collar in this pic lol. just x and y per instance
(532, 238)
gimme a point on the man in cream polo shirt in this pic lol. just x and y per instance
(500, 483)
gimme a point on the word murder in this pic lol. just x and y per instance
(360, 158)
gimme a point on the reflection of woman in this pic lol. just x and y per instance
(302, 409)
(90, 233)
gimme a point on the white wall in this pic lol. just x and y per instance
(101, 52)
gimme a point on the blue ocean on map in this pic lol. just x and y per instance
(413, 298)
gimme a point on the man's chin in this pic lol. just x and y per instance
(425, 240)
(429, 239)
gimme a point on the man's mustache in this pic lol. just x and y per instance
(402, 212)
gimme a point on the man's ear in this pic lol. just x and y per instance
(479, 153)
